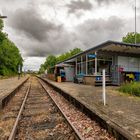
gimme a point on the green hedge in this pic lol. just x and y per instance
(131, 88)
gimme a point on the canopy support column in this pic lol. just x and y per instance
(86, 64)
(76, 67)
(81, 64)
(95, 63)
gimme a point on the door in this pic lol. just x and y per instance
(69, 73)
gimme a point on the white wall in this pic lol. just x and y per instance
(129, 63)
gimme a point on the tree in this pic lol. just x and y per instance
(1, 24)
(75, 51)
(42, 69)
(130, 38)
(69, 54)
(51, 60)
(10, 56)
(49, 63)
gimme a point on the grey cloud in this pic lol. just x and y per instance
(39, 37)
(85, 36)
(108, 2)
(59, 41)
(29, 22)
(98, 30)
(75, 6)
(105, 1)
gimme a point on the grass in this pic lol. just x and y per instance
(131, 88)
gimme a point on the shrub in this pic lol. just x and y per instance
(131, 88)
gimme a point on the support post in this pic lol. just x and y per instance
(104, 91)
(81, 64)
(95, 63)
(76, 67)
(86, 64)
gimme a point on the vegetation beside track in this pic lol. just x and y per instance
(10, 57)
(131, 88)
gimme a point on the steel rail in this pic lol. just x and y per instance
(103, 121)
(78, 135)
(14, 129)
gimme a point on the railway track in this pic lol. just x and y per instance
(37, 112)
(35, 116)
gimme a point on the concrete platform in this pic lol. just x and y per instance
(121, 109)
(8, 85)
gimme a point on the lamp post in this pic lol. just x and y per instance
(3, 16)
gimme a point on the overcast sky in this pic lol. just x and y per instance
(43, 27)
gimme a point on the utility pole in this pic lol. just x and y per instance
(135, 23)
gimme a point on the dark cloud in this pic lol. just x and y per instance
(108, 2)
(29, 22)
(58, 42)
(96, 31)
(75, 6)
(36, 36)
(105, 1)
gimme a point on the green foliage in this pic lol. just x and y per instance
(51, 60)
(130, 38)
(69, 54)
(42, 69)
(1, 24)
(131, 88)
(10, 57)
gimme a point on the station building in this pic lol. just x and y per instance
(120, 60)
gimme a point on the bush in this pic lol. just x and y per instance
(131, 88)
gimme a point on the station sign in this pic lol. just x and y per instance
(92, 55)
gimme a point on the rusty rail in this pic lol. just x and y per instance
(14, 130)
(15, 126)
(104, 122)
(77, 134)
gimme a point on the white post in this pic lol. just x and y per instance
(104, 92)
(95, 63)
(86, 63)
